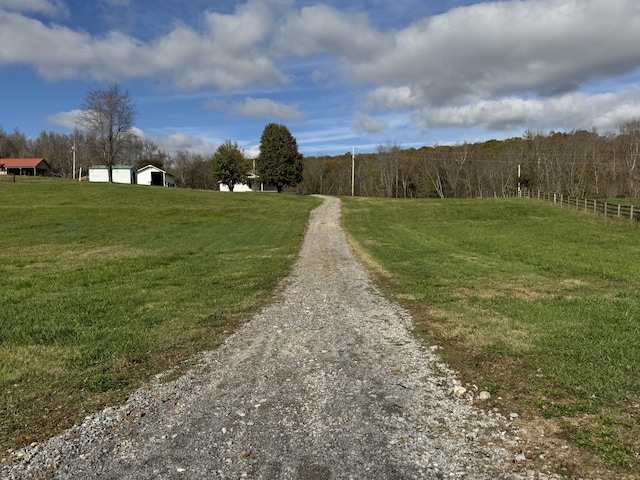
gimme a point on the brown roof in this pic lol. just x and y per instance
(22, 162)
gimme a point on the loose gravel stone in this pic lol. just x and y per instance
(484, 396)
(326, 383)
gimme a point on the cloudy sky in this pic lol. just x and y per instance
(338, 74)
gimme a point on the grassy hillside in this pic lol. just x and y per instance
(103, 285)
(536, 304)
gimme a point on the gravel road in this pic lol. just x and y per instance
(326, 383)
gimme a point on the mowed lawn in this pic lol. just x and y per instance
(102, 286)
(537, 304)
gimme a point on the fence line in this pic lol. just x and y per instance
(595, 207)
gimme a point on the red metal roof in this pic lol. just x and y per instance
(21, 162)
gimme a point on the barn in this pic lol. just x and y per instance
(25, 166)
(152, 175)
(120, 174)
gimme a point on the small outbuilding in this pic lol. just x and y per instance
(25, 166)
(152, 175)
(120, 174)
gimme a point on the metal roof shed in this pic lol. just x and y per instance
(25, 166)
(120, 174)
(152, 175)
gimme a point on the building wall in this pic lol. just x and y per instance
(120, 175)
(253, 185)
(144, 177)
(98, 175)
(238, 187)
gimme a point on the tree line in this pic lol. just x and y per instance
(190, 170)
(57, 149)
(107, 137)
(578, 163)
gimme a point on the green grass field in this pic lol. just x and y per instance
(101, 286)
(537, 304)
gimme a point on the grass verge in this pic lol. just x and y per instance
(538, 305)
(101, 286)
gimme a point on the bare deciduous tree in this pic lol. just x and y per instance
(108, 115)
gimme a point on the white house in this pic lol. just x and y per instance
(120, 174)
(252, 185)
(152, 175)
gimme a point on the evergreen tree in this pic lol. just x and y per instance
(279, 162)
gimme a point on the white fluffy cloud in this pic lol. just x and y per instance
(251, 152)
(323, 29)
(46, 7)
(258, 108)
(570, 111)
(175, 142)
(496, 65)
(487, 50)
(266, 108)
(220, 56)
(68, 120)
(484, 50)
(363, 123)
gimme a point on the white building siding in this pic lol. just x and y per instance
(120, 174)
(151, 175)
(237, 187)
(97, 174)
(252, 185)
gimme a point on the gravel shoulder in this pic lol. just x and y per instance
(326, 383)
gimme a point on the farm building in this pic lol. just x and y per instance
(25, 166)
(152, 175)
(120, 174)
(252, 185)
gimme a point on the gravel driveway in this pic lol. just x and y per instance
(327, 383)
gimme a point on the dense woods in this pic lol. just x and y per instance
(577, 163)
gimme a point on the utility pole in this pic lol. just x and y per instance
(73, 149)
(353, 171)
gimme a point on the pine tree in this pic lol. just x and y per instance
(279, 162)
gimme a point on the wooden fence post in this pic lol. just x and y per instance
(560, 198)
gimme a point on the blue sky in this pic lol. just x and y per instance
(338, 74)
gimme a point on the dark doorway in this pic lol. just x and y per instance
(157, 178)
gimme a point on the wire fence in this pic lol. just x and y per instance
(586, 205)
